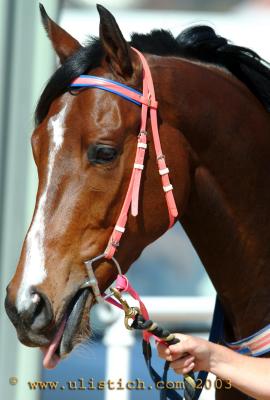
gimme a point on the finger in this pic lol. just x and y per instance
(183, 362)
(177, 350)
(163, 350)
(182, 347)
(185, 370)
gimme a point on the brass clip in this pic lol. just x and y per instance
(130, 312)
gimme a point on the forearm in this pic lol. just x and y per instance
(249, 375)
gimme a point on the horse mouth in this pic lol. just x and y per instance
(63, 341)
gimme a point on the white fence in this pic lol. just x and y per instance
(119, 341)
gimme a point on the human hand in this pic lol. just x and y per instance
(191, 353)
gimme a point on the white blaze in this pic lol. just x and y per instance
(34, 271)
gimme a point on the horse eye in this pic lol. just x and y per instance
(101, 154)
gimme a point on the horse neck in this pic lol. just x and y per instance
(227, 217)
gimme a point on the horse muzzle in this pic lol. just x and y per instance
(32, 322)
(37, 327)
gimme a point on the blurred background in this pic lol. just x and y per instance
(170, 267)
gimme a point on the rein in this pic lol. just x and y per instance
(138, 316)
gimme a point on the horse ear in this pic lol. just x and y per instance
(64, 44)
(118, 51)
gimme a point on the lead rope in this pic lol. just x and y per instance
(141, 321)
(149, 328)
(169, 339)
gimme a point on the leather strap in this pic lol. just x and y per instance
(132, 196)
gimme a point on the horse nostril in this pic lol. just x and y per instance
(39, 313)
(35, 316)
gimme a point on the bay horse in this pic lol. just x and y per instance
(214, 124)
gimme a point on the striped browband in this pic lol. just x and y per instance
(118, 88)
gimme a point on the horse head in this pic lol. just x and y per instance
(83, 145)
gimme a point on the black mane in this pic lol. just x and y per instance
(197, 43)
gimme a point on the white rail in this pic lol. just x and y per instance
(119, 341)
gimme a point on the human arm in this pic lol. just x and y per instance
(249, 375)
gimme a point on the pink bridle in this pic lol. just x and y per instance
(147, 100)
(132, 196)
